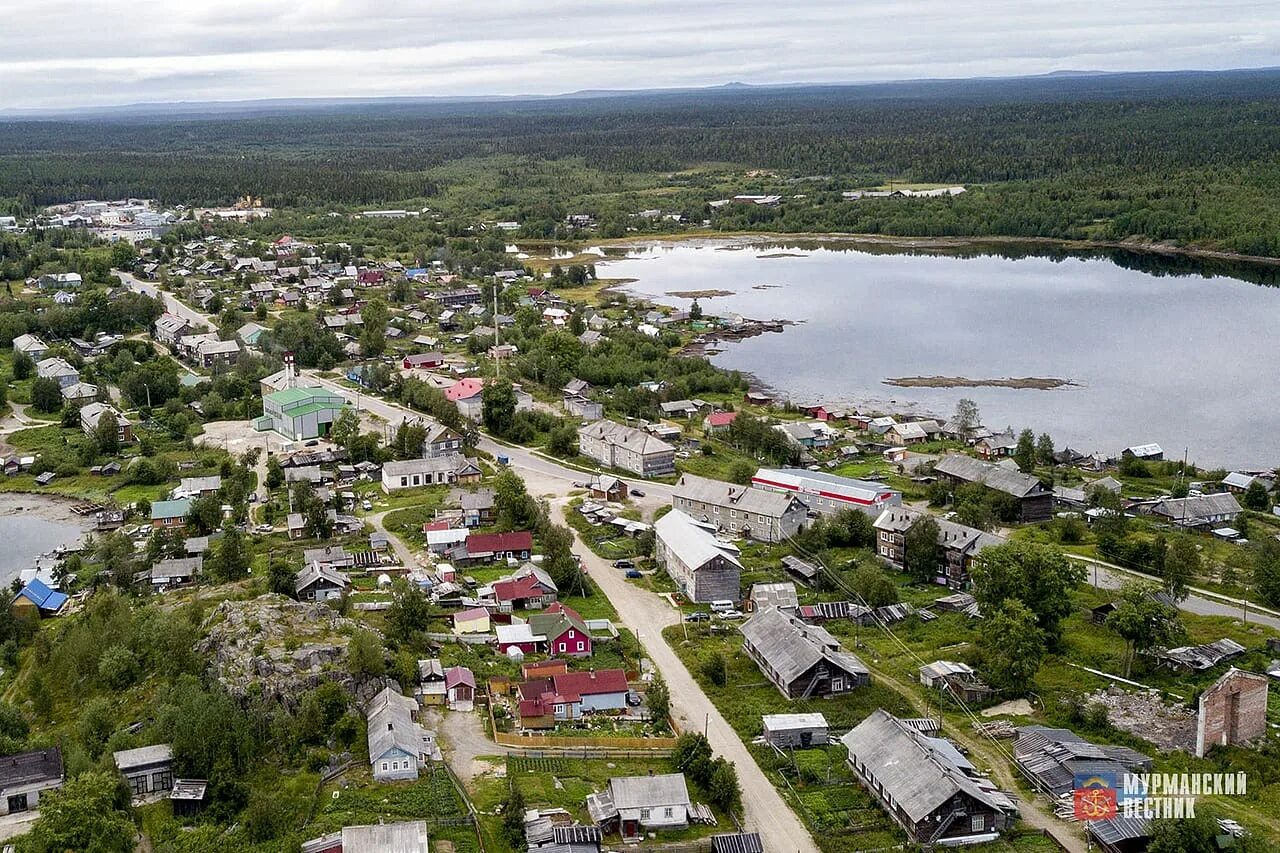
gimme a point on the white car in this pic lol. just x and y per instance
(367, 506)
(730, 614)
(264, 528)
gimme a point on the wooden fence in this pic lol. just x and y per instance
(585, 754)
(651, 746)
(537, 742)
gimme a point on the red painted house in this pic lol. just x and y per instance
(565, 631)
(423, 360)
(522, 593)
(371, 277)
(488, 547)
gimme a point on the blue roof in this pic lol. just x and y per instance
(412, 271)
(41, 596)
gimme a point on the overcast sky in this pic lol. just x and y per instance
(66, 53)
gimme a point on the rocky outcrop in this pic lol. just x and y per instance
(278, 648)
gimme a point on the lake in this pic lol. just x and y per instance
(26, 536)
(1172, 352)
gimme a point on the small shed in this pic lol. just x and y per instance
(187, 797)
(780, 595)
(460, 688)
(795, 731)
(802, 572)
(147, 769)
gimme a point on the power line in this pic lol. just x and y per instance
(884, 626)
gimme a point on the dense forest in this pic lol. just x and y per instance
(1189, 157)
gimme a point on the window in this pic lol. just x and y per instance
(644, 814)
(581, 646)
(977, 823)
(837, 684)
(562, 647)
(404, 481)
(385, 766)
(668, 812)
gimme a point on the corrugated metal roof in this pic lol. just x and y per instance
(919, 772)
(693, 542)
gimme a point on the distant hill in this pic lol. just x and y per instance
(1054, 85)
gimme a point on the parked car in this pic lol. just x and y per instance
(265, 528)
(366, 505)
(637, 493)
(313, 442)
(698, 616)
(731, 614)
(633, 573)
(633, 699)
(624, 564)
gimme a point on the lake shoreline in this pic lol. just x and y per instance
(48, 507)
(938, 243)
(864, 338)
(35, 526)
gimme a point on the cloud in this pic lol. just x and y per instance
(62, 53)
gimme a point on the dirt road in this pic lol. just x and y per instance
(647, 614)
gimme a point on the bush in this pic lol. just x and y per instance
(118, 667)
(716, 669)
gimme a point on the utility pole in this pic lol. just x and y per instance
(497, 335)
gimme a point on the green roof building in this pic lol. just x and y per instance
(300, 413)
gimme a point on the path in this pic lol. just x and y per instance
(1201, 602)
(17, 419)
(407, 558)
(466, 744)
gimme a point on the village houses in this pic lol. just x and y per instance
(761, 514)
(703, 565)
(616, 446)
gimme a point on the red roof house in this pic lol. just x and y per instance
(459, 685)
(524, 593)
(464, 389)
(718, 421)
(487, 547)
(569, 695)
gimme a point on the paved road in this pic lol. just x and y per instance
(172, 304)
(1109, 576)
(524, 460)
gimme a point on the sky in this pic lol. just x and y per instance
(71, 53)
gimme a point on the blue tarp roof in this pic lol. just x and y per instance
(41, 596)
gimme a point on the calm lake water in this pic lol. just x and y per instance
(1165, 352)
(25, 536)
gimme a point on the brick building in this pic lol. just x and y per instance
(1232, 711)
